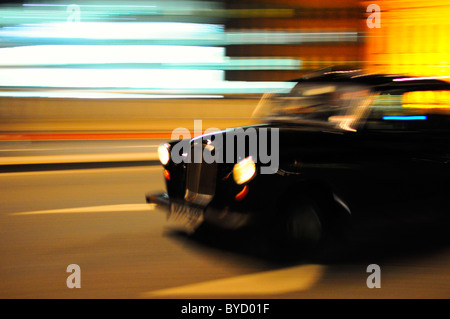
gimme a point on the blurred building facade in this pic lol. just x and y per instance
(413, 38)
(214, 46)
(318, 33)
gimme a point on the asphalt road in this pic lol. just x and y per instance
(98, 220)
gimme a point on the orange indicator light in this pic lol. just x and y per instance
(241, 195)
(167, 175)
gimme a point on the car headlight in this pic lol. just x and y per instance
(163, 153)
(244, 170)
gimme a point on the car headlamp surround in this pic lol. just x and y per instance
(244, 170)
(163, 153)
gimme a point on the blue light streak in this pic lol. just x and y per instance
(405, 118)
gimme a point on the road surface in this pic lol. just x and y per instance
(98, 219)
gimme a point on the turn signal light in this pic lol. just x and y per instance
(241, 195)
(167, 175)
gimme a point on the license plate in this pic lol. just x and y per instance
(186, 215)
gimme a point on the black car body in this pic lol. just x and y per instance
(355, 150)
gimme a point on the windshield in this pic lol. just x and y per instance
(340, 106)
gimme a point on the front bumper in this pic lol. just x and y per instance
(193, 215)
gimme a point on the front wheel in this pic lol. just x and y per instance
(306, 229)
(303, 224)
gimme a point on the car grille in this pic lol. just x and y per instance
(200, 180)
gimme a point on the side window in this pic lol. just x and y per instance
(402, 111)
(384, 104)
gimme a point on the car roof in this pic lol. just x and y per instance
(378, 82)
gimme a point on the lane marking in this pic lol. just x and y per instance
(26, 149)
(297, 278)
(92, 209)
(85, 158)
(75, 148)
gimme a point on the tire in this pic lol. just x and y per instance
(304, 229)
(303, 224)
(312, 228)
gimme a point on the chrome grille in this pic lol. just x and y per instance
(200, 180)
